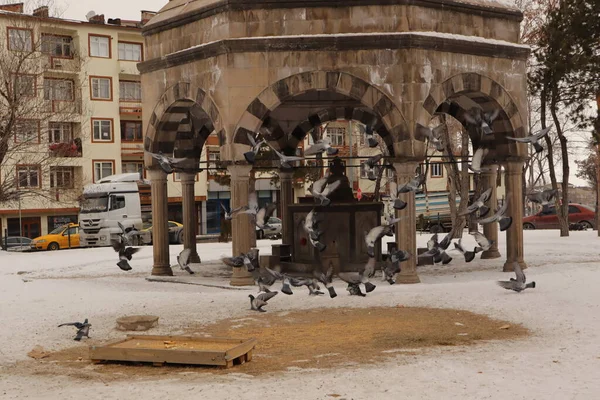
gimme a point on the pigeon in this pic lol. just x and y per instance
(166, 163)
(371, 141)
(544, 198)
(250, 156)
(432, 135)
(478, 118)
(484, 243)
(354, 279)
(438, 249)
(257, 303)
(250, 260)
(263, 215)
(477, 159)
(310, 283)
(229, 214)
(236, 261)
(183, 260)
(398, 204)
(127, 234)
(325, 279)
(518, 285)
(533, 139)
(252, 207)
(354, 290)
(376, 234)
(392, 265)
(83, 329)
(320, 190)
(371, 166)
(281, 277)
(314, 234)
(125, 253)
(503, 220)
(469, 255)
(479, 204)
(413, 185)
(321, 146)
(285, 160)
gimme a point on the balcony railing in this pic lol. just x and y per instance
(66, 149)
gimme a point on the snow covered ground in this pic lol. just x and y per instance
(560, 360)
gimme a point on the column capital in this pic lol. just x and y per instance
(405, 168)
(239, 172)
(285, 175)
(157, 174)
(187, 178)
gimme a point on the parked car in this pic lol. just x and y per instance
(547, 219)
(58, 238)
(16, 243)
(175, 232)
(273, 232)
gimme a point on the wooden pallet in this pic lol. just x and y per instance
(158, 350)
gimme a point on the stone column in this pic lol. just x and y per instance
(406, 230)
(490, 231)
(243, 230)
(287, 198)
(190, 215)
(160, 224)
(514, 196)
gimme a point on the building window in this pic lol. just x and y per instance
(58, 89)
(336, 136)
(130, 51)
(213, 159)
(20, 39)
(129, 167)
(436, 170)
(130, 91)
(131, 131)
(102, 169)
(101, 88)
(102, 130)
(60, 132)
(62, 177)
(57, 46)
(25, 85)
(99, 46)
(27, 131)
(28, 176)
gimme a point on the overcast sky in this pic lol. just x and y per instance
(125, 9)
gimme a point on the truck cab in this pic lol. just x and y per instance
(113, 199)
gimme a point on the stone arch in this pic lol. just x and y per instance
(389, 120)
(181, 122)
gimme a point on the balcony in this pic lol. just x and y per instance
(132, 148)
(130, 108)
(66, 149)
(61, 65)
(64, 107)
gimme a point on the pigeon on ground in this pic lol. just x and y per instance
(321, 146)
(257, 303)
(320, 190)
(250, 156)
(166, 163)
(484, 243)
(475, 116)
(125, 253)
(128, 234)
(310, 226)
(479, 204)
(285, 160)
(413, 185)
(310, 283)
(375, 235)
(544, 198)
(326, 279)
(398, 204)
(354, 279)
(83, 329)
(469, 255)
(477, 159)
(519, 284)
(229, 214)
(371, 141)
(504, 221)
(433, 135)
(183, 259)
(533, 139)
(371, 166)
(263, 215)
(392, 265)
(354, 290)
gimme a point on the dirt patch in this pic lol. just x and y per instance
(321, 338)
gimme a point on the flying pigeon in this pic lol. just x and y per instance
(83, 329)
(325, 279)
(257, 303)
(375, 235)
(482, 120)
(314, 234)
(263, 215)
(477, 159)
(484, 243)
(127, 234)
(229, 214)
(321, 146)
(518, 285)
(371, 141)
(235, 261)
(469, 255)
(398, 204)
(371, 166)
(413, 185)
(392, 265)
(354, 290)
(251, 155)
(320, 190)
(544, 198)
(500, 216)
(533, 139)
(252, 207)
(166, 163)
(438, 249)
(310, 283)
(281, 277)
(183, 260)
(125, 253)
(479, 204)
(285, 160)
(354, 279)
(432, 135)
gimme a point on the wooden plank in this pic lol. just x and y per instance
(241, 349)
(186, 338)
(249, 356)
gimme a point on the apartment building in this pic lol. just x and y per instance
(89, 124)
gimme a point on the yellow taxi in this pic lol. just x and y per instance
(58, 238)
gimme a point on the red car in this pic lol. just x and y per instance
(548, 219)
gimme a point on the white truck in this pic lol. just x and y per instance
(113, 199)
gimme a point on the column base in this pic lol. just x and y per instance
(408, 278)
(194, 257)
(162, 270)
(509, 268)
(489, 254)
(241, 277)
